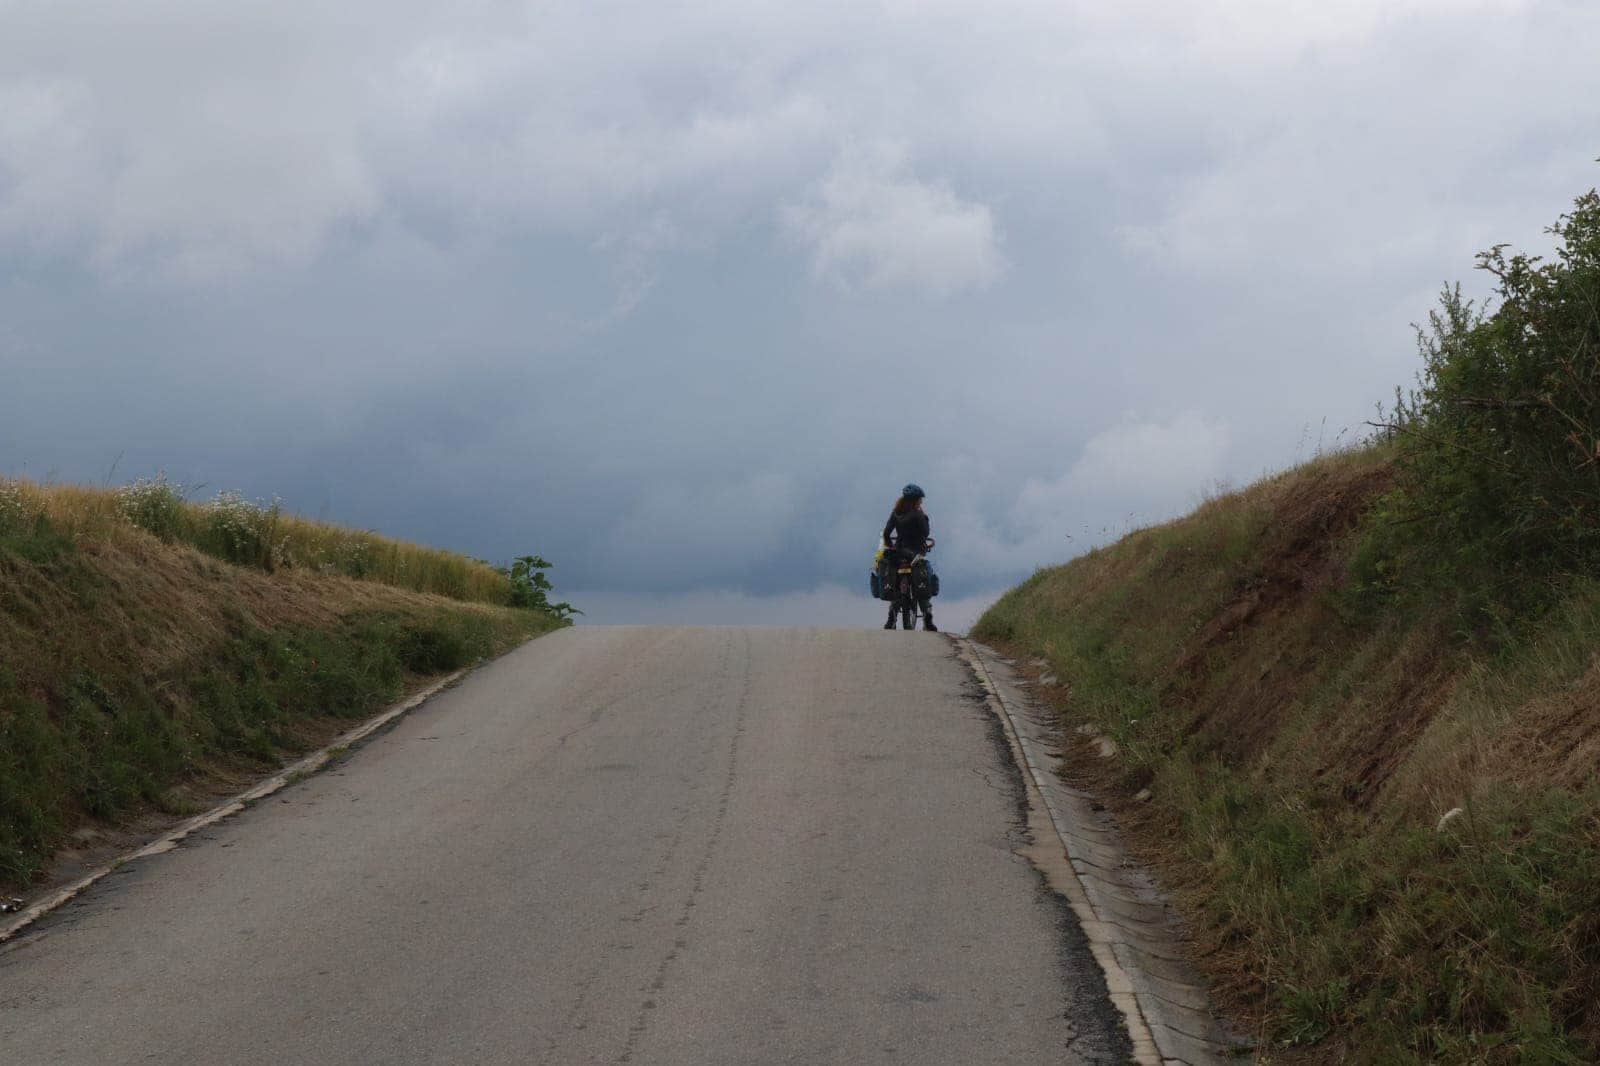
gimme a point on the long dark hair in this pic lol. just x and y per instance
(906, 504)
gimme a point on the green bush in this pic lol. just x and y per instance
(530, 588)
(1499, 446)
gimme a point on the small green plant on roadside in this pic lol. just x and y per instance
(1311, 1012)
(530, 588)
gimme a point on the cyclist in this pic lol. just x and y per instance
(906, 535)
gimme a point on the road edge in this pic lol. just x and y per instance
(1056, 852)
(283, 778)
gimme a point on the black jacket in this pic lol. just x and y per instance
(910, 531)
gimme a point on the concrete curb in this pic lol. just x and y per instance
(1124, 919)
(283, 778)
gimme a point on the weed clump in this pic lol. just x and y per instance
(245, 532)
(14, 511)
(155, 505)
(353, 555)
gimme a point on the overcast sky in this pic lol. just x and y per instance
(678, 295)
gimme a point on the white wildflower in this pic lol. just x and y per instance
(246, 531)
(13, 508)
(152, 504)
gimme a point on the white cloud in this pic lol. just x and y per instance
(637, 253)
(868, 224)
(1130, 474)
(1358, 139)
(208, 140)
(223, 154)
(49, 171)
(1141, 461)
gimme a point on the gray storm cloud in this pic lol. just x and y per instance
(679, 295)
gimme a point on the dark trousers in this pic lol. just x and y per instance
(925, 606)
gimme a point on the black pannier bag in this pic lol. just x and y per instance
(881, 580)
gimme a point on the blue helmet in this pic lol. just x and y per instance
(913, 490)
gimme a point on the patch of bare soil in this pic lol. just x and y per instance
(1229, 681)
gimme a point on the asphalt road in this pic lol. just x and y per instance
(650, 845)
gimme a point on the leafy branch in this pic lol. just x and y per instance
(530, 588)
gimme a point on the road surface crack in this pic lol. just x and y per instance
(658, 982)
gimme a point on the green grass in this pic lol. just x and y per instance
(1411, 944)
(130, 670)
(109, 743)
(1299, 757)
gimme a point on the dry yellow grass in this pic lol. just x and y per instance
(294, 542)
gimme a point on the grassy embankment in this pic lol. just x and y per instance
(154, 650)
(1307, 675)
